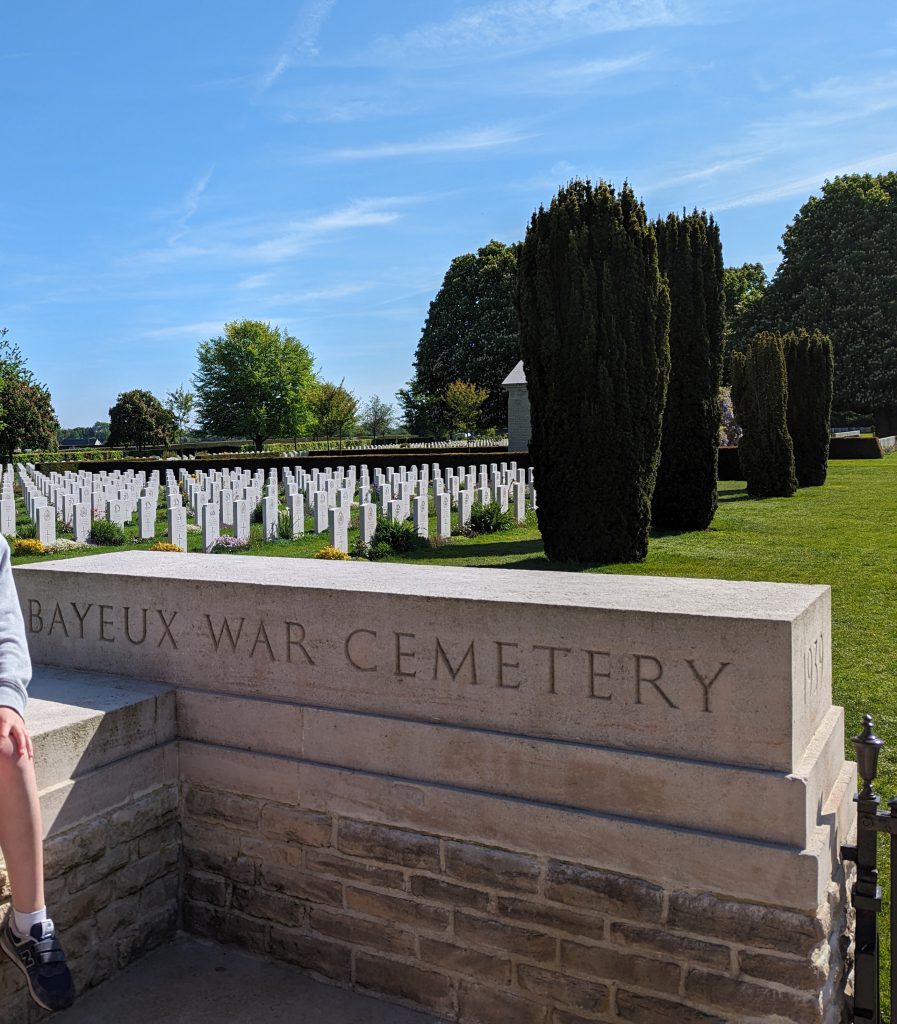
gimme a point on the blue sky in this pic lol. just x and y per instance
(170, 166)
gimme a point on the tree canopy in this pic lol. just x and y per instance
(839, 275)
(334, 408)
(743, 287)
(472, 334)
(139, 420)
(376, 417)
(254, 381)
(27, 419)
(464, 404)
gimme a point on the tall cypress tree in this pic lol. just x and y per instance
(810, 362)
(760, 396)
(691, 256)
(594, 317)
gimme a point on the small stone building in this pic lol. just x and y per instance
(518, 409)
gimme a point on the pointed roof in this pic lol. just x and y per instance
(516, 376)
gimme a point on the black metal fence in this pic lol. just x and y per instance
(866, 892)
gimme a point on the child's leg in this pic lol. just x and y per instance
(20, 828)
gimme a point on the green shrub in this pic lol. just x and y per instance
(489, 518)
(27, 530)
(284, 525)
(810, 361)
(760, 396)
(690, 254)
(107, 533)
(399, 537)
(594, 321)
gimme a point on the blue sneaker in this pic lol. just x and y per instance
(40, 957)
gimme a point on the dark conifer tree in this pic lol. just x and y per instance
(810, 362)
(691, 256)
(760, 397)
(594, 316)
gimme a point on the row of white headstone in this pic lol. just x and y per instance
(224, 499)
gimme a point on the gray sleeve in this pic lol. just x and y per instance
(15, 661)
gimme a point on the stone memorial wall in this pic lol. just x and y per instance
(500, 795)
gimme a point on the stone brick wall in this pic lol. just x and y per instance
(488, 936)
(113, 886)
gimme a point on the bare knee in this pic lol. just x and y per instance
(11, 758)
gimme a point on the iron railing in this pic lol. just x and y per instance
(866, 892)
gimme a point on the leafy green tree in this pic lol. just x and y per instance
(691, 256)
(27, 419)
(98, 432)
(334, 408)
(376, 417)
(839, 275)
(743, 286)
(760, 395)
(810, 363)
(464, 403)
(139, 420)
(594, 319)
(180, 404)
(471, 333)
(253, 381)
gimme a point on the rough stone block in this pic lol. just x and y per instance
(463, 960)
(397, 909)
(396, 846)
(478, 1004)
(560, 988)
(499, 869)
(379, 936)
(404, 981)
(604, 891)
(481, 931)
(623, 967)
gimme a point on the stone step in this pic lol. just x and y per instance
(98, 739)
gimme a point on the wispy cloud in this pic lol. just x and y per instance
(447, 142)
(517, 26)
(808, 183)
(270, 241)
(189, 205)
(203, 329)
(714, 170)
(302, 41)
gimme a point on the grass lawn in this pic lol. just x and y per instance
(843, 534)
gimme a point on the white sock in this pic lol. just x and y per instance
(23, 923)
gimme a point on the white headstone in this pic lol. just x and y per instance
(211, 525)
(269, 517)
(321, 510)
(465, 500)
(46, 525)
(296, 505)
(421, 514)
(115, 512)
(227, 507)
(367, 522)
(80, 521)
(444, 515)
(240, 519)
(146, 518)
(8, 517)
(339, 528)
(177, 526)
(518, 497)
